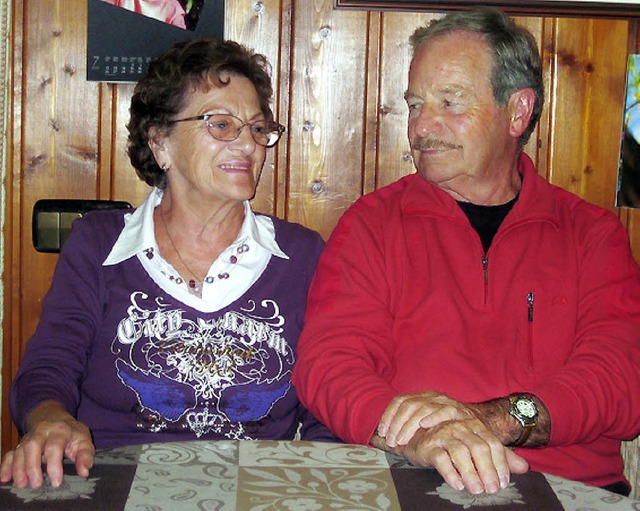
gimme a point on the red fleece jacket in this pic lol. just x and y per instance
(405, 300)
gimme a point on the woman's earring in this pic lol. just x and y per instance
(165, 167)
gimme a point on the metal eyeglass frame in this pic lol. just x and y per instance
(277, 131)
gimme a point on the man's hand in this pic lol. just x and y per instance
(464, 442)
(465, 452)
(48, 441)
(407, 413)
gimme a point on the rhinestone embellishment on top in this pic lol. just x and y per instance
(195, 286)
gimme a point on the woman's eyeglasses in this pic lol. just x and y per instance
(227, 127)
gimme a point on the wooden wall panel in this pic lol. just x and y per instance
(328, 84)
(60, 125)
(586, 106)
(257, 25)
(393, 152)
(632, 220)
(125, 184)
(535, 148)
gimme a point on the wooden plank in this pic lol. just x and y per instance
(60, 149)
(536, 147)
(125, 183)
(105, 140)
(257, 26)
(586, 107)
(633, 227)
(372, 104)
(283, 97)
(11, 334)
(394, 153)
(327, 104)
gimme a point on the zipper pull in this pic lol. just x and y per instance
(485, 268)
(530, 299)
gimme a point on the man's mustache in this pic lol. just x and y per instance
(427, 143)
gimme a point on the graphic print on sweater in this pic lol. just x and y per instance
(207, 374)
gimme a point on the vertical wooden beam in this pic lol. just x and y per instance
(326, 131)
(393, 152)
(370, 112)
(11, 230)
(263, 27)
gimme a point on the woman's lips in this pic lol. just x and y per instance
(235, 167)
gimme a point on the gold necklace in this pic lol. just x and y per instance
(194, 284)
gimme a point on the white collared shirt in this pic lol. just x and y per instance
(228, 278)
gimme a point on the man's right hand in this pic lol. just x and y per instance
(465, 452)
(53, 434)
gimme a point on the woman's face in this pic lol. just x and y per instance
(203, 167)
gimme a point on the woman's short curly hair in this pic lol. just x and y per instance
(190, 65)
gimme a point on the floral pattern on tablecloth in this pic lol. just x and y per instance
(286, 476)
(197, 475)
(506, 497)
(73, 487)
(275, 488)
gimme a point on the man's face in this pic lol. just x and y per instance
(459, 136)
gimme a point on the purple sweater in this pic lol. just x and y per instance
(137, 366)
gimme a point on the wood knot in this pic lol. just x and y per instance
(385, 110)
(317, 187)
(325, 32)
(35, 161)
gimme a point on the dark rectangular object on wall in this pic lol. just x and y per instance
(121, 43)
(52, 219)
(569, 8)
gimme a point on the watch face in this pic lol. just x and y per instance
(526, 407)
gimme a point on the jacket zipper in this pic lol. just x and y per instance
(485, 269)
(530, 301)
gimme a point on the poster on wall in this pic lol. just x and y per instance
(123, 36)
(629, 163)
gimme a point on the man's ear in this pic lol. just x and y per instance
(520, 107)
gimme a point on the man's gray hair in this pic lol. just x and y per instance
(516, 58)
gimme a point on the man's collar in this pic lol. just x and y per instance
(138, 234)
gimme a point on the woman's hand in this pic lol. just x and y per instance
(53, 434)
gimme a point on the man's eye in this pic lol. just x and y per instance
(259, 129)
(448, 103)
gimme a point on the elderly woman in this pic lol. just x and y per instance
(180, 320)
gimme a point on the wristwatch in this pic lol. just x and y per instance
(525, 411)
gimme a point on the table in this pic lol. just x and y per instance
(286, 476)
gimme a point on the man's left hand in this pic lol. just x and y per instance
(407, 413)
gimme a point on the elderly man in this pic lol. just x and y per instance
(473, 308)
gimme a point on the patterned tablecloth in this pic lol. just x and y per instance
(287, 476)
